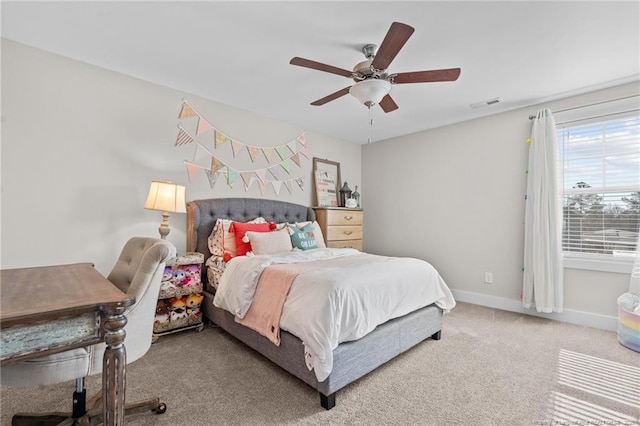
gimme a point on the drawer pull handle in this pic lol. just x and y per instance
(348, 217)
(348, 232)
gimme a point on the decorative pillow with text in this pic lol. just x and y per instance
(303, 238)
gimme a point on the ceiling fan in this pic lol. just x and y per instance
(372, 81)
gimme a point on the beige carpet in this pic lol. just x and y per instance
(490, 368)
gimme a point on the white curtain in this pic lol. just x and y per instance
(543, 269)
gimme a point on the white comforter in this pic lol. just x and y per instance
(328, 306)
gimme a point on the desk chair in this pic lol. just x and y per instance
(138, 272)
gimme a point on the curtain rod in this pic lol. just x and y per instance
(531, 117)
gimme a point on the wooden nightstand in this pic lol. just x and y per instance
(341, 227)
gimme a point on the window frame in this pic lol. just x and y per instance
(594, 113)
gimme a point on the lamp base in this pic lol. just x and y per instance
(163, 229)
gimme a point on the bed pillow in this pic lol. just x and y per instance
(221, 241)
(269, 242)
(303, 238)
(238, 229)
(317, 232)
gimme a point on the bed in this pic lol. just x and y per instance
(351, 359)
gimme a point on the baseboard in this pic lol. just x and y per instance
(602, 322)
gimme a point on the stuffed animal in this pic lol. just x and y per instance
(167, 274)
(193, 304)
(178, 277)
(167, 286)
(162, 311)
(178, 306)
(192, 273)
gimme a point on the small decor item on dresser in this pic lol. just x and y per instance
(351, 203)
(356, 196)
(327, 182)
(345, 194)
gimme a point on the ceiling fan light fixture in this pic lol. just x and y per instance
(370, 92)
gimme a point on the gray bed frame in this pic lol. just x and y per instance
(351, 360)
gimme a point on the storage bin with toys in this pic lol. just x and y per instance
(178, 306)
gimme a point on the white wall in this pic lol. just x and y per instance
(80, 145)
(455, 196)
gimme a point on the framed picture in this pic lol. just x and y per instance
(327, 182)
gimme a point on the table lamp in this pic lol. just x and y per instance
(165, 197)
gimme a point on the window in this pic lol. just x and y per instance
(601, 189)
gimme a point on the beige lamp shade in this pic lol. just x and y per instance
(166, 197)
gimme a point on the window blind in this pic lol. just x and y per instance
(601, 185)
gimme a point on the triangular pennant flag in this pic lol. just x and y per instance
(260, 173)
(296, 159)
(220, 139)
(236, 146)
(287, 184)
(301, 139)
(282, 152)
(186, 111)
(267, 153)
(286, 165)
(300, 182)
(253, 152)
(192, 171)
(213, 177)
(275, 172)
(277, 184)
(293, 146)
(200, 152)
(261, 185)
(183, 138)
(216, 164)
(304, 151)
(232, 175)
(203, 126)
(246, 177)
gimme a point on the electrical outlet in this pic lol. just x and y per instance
(488, 277)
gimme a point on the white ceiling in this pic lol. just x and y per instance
(238, 53)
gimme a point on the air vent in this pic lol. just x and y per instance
(486, 103)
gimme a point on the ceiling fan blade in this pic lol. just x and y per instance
(388, 104)
(331, 97)
(396, 37)
(307, 63)
(449, 74)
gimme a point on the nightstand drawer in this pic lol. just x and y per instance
(337, 233)
(342, 217)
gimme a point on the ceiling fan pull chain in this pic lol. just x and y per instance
(370, 123)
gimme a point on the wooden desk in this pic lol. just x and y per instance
(50, 309)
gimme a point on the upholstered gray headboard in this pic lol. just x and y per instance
(202, 215)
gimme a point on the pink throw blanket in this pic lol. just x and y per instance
(272, 288)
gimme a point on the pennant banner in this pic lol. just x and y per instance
(288, 153)
(285, 150)
(248, 178)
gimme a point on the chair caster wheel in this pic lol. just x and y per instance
(162, 408)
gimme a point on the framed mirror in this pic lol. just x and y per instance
(326, 178)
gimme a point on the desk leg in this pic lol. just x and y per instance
(113, 366)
